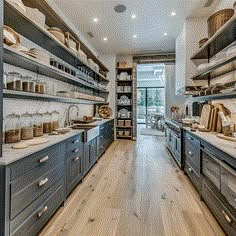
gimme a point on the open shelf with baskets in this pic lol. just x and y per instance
(124, 103)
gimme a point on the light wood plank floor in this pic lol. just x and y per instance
(136, 189)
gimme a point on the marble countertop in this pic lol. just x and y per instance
(228, 147)
(10, 155)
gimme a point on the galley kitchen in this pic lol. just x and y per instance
(118, 117)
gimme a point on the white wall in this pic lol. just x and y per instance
(225, 4)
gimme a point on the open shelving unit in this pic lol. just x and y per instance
(124, 128)
(224, 38)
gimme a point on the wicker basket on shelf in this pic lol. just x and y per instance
(218, 19)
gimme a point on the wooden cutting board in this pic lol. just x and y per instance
(215, 118)
(222, 136)
(206, 115)
(221, 108)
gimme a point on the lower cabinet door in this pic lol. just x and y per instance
(74, 172)
(222, 214)
(90, 154)
(194, 177)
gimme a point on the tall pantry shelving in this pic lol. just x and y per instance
(31, 30)
(124, 103)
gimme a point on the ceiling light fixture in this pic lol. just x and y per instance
(120, 8)
(95, 20)
(173, 13)
(105, 39)
(165, 34)
(133, 16)
(134, 36)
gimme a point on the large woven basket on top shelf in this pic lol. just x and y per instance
(218, 19)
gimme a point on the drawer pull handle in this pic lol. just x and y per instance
(41, 212)
(44, 159)
(43, 182)
(190, 138)
(190, 170)
(76, 159)
(190, 153)
(76, 150)
(76, 141)
(227, 217)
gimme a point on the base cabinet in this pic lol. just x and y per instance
(90, 155)
(214, 175)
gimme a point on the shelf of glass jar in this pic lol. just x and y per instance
(20, 22)
(52, 68)
(27, 126)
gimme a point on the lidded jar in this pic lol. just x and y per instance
(55, 120)
(28, 85)
(38, 124)
(47, 122)
(27, 131)
(12, 128)
(14, 81)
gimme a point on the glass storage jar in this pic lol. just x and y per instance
(47, 122)
(5, 80)
(27, 131)
(40, 87)
(14, 81)
(28, 85)
(38, 124)
(12, 128)
(55, 120)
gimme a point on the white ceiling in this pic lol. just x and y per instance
(153, 20)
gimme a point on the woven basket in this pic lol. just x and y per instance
(218, 19)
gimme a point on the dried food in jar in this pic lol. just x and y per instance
(47, 127)
(27, 133)
(12, 136)
(28, 86)
(40, 88)
(38, 130)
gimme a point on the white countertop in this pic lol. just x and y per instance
(228, 147)
(10, 155)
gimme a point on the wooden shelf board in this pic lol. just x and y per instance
(124, 127)
(220, 40)
(219, 69)
(16, 20)
(219, 96)
(13, 57)
(44, 97)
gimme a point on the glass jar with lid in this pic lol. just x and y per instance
(5, 80)
(47, 122)
(28, 84)
(40, 87)
(55, 120)
(38, 124)
(27, 131)
(14, 81)
(12, 128)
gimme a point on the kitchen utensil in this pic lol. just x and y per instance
(71, 42)
(206, 115)
(228, 138)
(58, 34)
(105, 111)
(10, 37)
(33, 142)
(217, 20)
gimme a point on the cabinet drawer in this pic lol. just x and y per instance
(193, 157)
(225, 218)
(228, 184)
(192, 140)
(211, 167)
(46, 159)
(19, 225)
(74, 142)
(194, 177)
(21, 199)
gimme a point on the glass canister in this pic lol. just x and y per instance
(28, 85)
(40, 87)
(47, 122)
(5, 80)
(27, 131)
(38, 124)
(14, 81)
(55, 120)
(12, 128)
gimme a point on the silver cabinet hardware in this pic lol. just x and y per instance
(76, 141)
(44, 159)
(227, 217)
(190, 170)
(42, 182)
(76, 150)
(42, 211)
(76, 159)
(190, 153)
(190, 138)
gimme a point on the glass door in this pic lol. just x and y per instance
(149, 101)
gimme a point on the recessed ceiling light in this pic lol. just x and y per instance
(105, 39)
(134, 36)
(120, 8)
(95, 20)
(133, 16)
(165, 34)
(173, 13)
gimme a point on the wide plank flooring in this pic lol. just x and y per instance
(135, 189)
